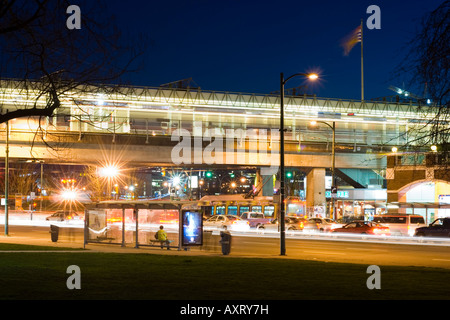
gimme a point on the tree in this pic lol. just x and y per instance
(43, 55)
(427, 66)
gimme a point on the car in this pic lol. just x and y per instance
(292, 224)
(226, 222)
(273, 226)
(63, 216)
(325, 224)
(438, 228)
(306, 225)
(364, 227)
(401, 224)
(255, 218)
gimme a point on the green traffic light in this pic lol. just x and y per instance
(209, 174)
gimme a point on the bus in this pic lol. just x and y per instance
(237, 204)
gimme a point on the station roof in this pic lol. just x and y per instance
(435, 205)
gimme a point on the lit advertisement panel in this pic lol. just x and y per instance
(192, 234)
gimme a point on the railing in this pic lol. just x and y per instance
(16, 93)
(428, 159)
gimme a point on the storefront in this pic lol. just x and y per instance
(361, 204)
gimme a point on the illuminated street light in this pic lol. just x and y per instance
(311, 76)
(109, 172)
(394, 149)
(433, 148)
(69, 195)
(176, 180)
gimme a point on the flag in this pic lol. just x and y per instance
(351, 40)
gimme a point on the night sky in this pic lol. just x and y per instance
(242, 46)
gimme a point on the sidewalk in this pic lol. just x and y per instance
(109, 248)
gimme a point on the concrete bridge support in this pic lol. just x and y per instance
(315, 189)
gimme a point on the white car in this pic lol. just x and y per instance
(292, 226)
(226, 222)
(325, 224)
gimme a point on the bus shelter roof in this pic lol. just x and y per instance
(141, 204)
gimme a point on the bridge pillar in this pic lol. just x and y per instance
(315, 191)
(267, 184)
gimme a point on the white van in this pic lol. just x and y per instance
(401, 224)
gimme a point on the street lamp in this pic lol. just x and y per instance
(110, 173)
(310, 76)
(333, 164)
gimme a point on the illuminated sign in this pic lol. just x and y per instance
(444, 198)
(192, 228)
(340, 194)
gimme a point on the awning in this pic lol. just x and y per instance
(425, 205)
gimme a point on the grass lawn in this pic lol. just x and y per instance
(42, 275)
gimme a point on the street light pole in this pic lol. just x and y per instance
(333, 164)
(7, 180)
(333, 176)
(282, 215)
(282, 208)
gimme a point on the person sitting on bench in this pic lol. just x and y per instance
(162, 237)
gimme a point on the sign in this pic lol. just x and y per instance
(194, 182)
(339, 194)
(192, 228)
(444, 198)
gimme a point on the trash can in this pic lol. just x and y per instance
(54, 231)
(226, 242)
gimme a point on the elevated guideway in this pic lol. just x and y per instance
(140, 125)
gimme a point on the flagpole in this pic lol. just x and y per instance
(362, 63)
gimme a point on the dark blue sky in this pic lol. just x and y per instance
(242, 46)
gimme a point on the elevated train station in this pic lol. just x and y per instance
(194, 129)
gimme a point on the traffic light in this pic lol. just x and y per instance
(208, 174)
(288, 174)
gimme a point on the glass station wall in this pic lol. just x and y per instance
(119, 226)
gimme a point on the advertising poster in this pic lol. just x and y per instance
(192, 233)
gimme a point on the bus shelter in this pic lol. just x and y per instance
(136, 222)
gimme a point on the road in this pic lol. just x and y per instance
(365, 252)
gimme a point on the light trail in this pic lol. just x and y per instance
(253, 233)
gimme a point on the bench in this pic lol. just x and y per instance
(161, 242)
